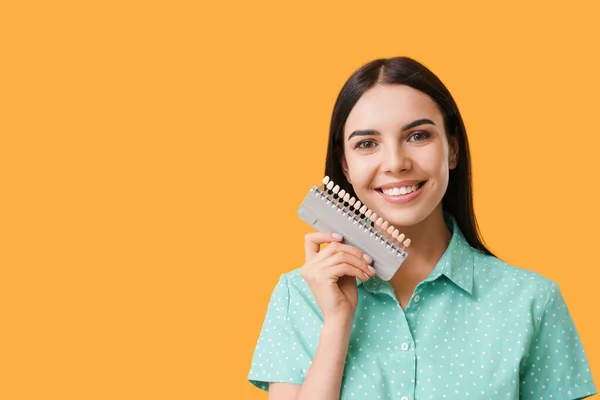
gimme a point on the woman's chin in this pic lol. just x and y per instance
(405, 218)
(399, 219)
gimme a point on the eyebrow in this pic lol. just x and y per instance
(367, 132)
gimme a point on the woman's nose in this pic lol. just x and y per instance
(396, 159)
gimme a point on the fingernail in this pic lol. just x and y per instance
(336, 235)
(371, 268)
(367, 258)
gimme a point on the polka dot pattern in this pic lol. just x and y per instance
(475, 328)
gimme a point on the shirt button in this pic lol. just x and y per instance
(404, 398)
(404, 346)
(417, 298)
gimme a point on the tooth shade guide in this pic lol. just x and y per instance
(406, 243)
(386, 237)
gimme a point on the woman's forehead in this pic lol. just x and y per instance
(391, 107)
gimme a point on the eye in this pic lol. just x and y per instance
(420, 136)
(359, 145)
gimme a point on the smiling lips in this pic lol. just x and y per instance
(402, 192)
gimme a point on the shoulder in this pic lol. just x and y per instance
(300, 298)
(294, 281)
(293, 274)
(291, 280)
(487, 268)
(512, 288)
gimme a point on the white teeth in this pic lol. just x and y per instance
(400, 191)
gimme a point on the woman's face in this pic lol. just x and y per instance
(395, 137)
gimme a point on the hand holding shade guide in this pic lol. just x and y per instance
(329, 209)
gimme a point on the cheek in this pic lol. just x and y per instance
(437, 169)
(434, 163)
(361, 170)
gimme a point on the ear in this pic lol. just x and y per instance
(453, 154)
(345, 169)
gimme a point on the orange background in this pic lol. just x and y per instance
(154, 155)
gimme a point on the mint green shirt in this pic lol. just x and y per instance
(475, 328)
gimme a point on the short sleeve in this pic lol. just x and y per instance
(556, 366)
(278, 357)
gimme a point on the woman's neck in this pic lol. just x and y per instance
(430, 239)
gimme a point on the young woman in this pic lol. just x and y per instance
(455, 322)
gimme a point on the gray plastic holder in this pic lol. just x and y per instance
(325, 216)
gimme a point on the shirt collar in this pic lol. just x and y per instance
(456, 263)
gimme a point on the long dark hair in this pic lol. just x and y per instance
(458, 199)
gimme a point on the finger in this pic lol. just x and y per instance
(346, 248)
(343, 257)
(314, 240)
(346, 253)
(342, 269)
(328, 258)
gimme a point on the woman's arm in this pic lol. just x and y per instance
(324, 377)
